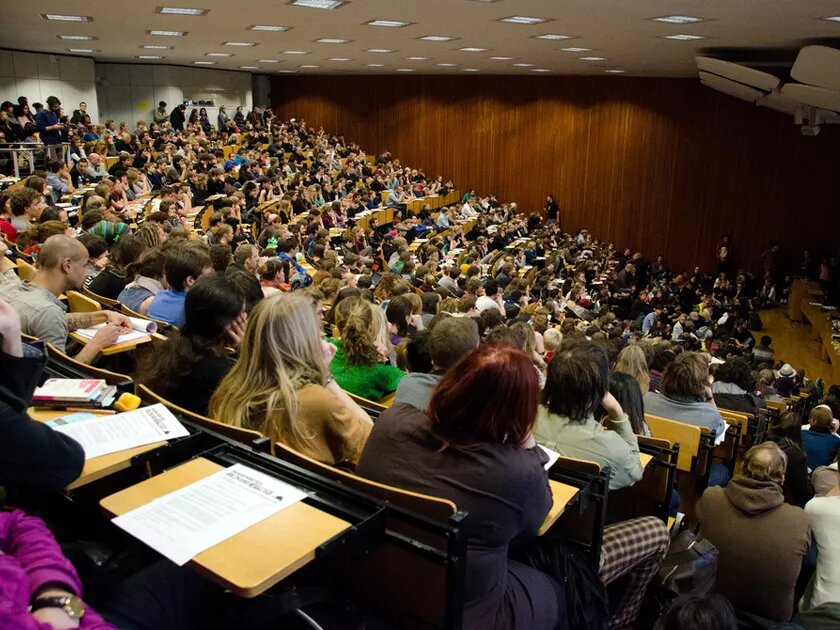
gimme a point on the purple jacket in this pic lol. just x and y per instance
(31, 558)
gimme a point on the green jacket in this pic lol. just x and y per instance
(368, 381)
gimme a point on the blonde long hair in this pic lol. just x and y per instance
(631, 360)
(280, 353)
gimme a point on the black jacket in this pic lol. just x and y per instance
(32, 455)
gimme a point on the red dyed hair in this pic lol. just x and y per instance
(490, 395)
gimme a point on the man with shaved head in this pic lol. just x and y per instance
(761, 539)
(61, 267)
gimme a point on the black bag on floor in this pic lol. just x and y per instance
(587, 605)
(690, 566)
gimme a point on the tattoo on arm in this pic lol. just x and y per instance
(79, 320)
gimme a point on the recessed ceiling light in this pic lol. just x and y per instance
(522, 19)
(473, 49)
(331, 40)
(268, 61)
(149, 57)
(523, 65)
(82, 50)
(379, 50)
(339, 59)
(375, 65)
(540, 69)
(614, 71)
(405, 69)
(249, 67)
(309, 65)
(575, 49)
(155, 47)
(285, 71)
(317, 4)
(417, 58)
(267, 27)
(66, 18)
(389, 23)
(593, 58)
(437, 38)
(552, 36)
(295, 52)
(832, 18)
(204, 63)
(679, 19)
(470, 69)
(218, 55)
(241, 44)
(682, 37)
(180, 11)
(446, 65)
(500, 58)
(76, 38)
(167, 33)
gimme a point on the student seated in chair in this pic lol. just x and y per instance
(187, 369)
(575, 389)
(61, 268)
(281, 385)
(184, 263)
(112, 280)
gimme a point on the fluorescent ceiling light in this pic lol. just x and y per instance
(317, 4)
(266, 27)
(339, 59)
(552, 36)
(218, 55)
(155, 47)
(446, 65)
(593, 58)
(682, 37)
(832, 18)
(204, 63)
(295, 52)
(82, 50)
(522, 19)
(249, 67)
(268, 61)
(417, 58)
(523, 65)
(309, 65)
(575, 49)
(180, 11)
(375, 65)
(540, 70)
(285, 71)
(331, 40)
(679, 19)
(241, 44)
(167, 33)
(66, 18)
(388, 23)
(501, 58)
(470, 69)
(149, 57)
(405, 69)
(437, 38)
(614, 71)
(473, 49)
(379, 50)
(76, 38)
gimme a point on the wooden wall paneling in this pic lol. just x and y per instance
(661, 165)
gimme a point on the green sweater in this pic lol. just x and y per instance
(368, 381)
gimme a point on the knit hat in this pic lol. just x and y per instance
(787, 370)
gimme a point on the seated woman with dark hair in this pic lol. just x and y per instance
(734, 387)
(146, 281)
(187, 369)
(112, 280)
(625, 389)
(786, 432)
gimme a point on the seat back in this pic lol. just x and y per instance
(239, 434)
(25, 270)
(388, 578)
(686, 435)
(112, 378)
(99, 298)
(371, 407)
(80, 303)
(650, 496)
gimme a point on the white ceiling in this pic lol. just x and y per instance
(619, 30)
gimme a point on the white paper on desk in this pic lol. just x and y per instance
(182, 524)
(553, 456)
(89, 333)
(102, 435)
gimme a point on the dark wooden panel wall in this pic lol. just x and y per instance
(662, 165)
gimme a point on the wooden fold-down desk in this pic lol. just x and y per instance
(98, 467)
(254, 560)
(562, 494)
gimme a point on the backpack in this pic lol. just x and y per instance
(300, 280)
(755, 324)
